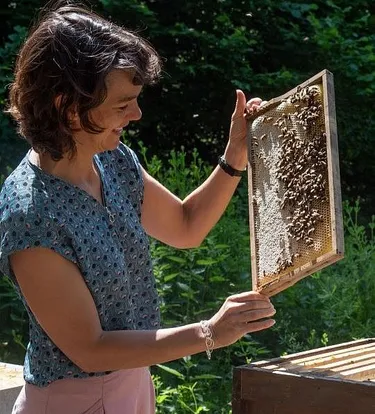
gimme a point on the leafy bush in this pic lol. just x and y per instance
(336, 304)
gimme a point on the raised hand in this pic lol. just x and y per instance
(236, 151)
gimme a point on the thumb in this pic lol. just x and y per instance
(240, 103)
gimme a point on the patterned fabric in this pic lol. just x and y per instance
(108, 244)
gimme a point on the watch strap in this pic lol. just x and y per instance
(228, 168)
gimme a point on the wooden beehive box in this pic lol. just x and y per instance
(294, 186)
(338, 379)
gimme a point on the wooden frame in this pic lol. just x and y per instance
(325, 79)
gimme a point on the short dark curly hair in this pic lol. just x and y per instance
(69, 53)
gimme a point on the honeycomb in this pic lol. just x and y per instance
(290, 205)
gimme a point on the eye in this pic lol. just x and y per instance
(122, 108)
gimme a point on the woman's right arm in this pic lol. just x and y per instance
(57, 295)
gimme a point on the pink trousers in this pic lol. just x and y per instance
(128, 391)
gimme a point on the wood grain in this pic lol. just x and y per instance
(294, 384)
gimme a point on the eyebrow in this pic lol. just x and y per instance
(126, 98)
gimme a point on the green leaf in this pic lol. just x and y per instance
(206, 262)
(217, 278)
(177, 259)
(206, 377)
(183, 286)
(222, 246)
(171, 371)
(171, 276)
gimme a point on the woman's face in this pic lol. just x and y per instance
(119, 108)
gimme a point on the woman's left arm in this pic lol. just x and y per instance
(186, 223)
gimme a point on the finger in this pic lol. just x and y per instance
(240, 307)
(253, 104)
(259, 326)
(264, 103)
(255, 314)
(240, 103)
(254, 101)
(246, 296)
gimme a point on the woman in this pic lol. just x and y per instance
(74, 217)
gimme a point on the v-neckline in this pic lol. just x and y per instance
(98, 169)
(101, 182)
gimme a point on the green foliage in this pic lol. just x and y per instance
(355, 284)
(193, 277)
(179, 178)
(209, 48)
(336, 304)
(14, 324)
(11, 147)
(344, 38)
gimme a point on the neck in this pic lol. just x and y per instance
(79, 170)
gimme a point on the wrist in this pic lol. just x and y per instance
(236, 157)
(207, 333)
(228, 169)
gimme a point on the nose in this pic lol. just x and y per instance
(135, 113)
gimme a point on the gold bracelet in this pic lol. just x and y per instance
(207, 333)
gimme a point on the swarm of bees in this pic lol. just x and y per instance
(302, 164)
(301, 167)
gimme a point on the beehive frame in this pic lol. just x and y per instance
(353, 361)
(271, 283)
(338, 379)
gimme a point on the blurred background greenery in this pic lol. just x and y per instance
(209, 49)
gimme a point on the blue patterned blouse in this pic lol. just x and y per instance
(107, 243)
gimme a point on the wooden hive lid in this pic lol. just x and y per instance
(353, 361)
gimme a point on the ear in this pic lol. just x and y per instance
(72, 112)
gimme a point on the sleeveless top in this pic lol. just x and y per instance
(107, 243)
